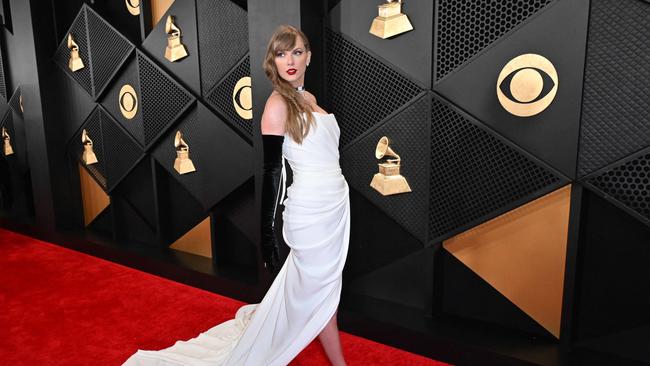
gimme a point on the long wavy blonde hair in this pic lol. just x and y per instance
(284, 39)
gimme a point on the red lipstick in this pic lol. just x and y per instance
(291, 71)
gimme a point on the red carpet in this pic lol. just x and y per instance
(62, 307)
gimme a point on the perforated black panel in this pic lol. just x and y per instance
(616, 97)
(361, 90)
(628, 183)
(223, 39)
(75, 147)
(221, 96)
(14, 101)
(409, 135)
(475, 176)
(62, 55)
(121, 152)
(3, 84)
(108, 49)
(163, 99)
(464, 28)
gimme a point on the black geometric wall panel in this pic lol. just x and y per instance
(186, 69)
(476, 176)
(361, 90)
(465, 28)
(93, 126)
(223, 161)
(16, 130)
(616, 100)
(71, 101)
(137, 189)
(468, 295)
(14, 102)
(223, 39)
(3, 79)
(220, 97)
(102, 49)
(397, 51)
(409, 133)
(551, 135)
(626, 184)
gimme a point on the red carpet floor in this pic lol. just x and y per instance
(62, 307)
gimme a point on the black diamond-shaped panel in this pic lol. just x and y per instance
(616, 97)
(221, 96)
(163, 99)
(108, 49)
(223, 161)
(475, 176)
(14, 101)
(223, 39)
(361, 90)
(62, 55)
(93, 127)
(464, 28)
(121, 151)
(3, 83)
(628, 183)
(409, 132)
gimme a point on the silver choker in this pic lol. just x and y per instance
(300, 89)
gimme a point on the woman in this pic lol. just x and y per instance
(302, 300)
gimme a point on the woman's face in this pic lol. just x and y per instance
(292, 64)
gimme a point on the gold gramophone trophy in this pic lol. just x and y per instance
(391, 21)
(183, 164)
(88, 156)
(6, 143)
(175, 49)
(388, 181)
(75, 62)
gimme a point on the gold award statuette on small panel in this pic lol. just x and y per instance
(175, 49)
(88, 157)
(7, 149)
(389, 180)
(527, 85)
(75, 62)
(390, 21)
(183, 164)
(242, 98)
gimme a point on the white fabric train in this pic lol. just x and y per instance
(306, 292)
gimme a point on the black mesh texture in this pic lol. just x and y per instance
(3, 85)
(62, 55)
(464, 27)
(221, 97)
(14, 101)
(223, 39)
(616, 96)
(162, 99)
(628, 183)
(121, 152)
(361, 91)
(108, 48)
(474, 175)
(94, 129)
(409, 135)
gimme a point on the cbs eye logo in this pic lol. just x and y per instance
(527, 85)
(242, 98)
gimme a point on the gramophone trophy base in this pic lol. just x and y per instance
(75, 63)
(89, 157)
(175, 50)
(390, 26)
(7, 150)
(391, 184)
(184, 166)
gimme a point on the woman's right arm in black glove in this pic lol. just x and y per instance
(270, 199)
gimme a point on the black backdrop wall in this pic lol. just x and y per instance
(524, 239)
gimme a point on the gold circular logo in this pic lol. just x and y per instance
(133, 6)
(527, 85)
(242, 98)
(128, 101)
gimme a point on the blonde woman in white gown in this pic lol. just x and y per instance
(302, 302)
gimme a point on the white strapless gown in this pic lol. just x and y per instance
(306, 292)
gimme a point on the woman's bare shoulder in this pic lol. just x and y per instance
(274, 115)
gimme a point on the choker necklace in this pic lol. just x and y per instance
(300, 89)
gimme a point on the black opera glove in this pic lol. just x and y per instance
(270, 199)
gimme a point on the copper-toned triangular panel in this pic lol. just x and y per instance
(196, 241)
(93, 197)
(521, 254)
(158, 9)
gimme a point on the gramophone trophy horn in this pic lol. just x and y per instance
(75, 62)
(88, 157)
(388, 181)
(391, 21)
(183, 164)
(175, 49)
(6, 143)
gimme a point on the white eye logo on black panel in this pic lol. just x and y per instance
(527, 85)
